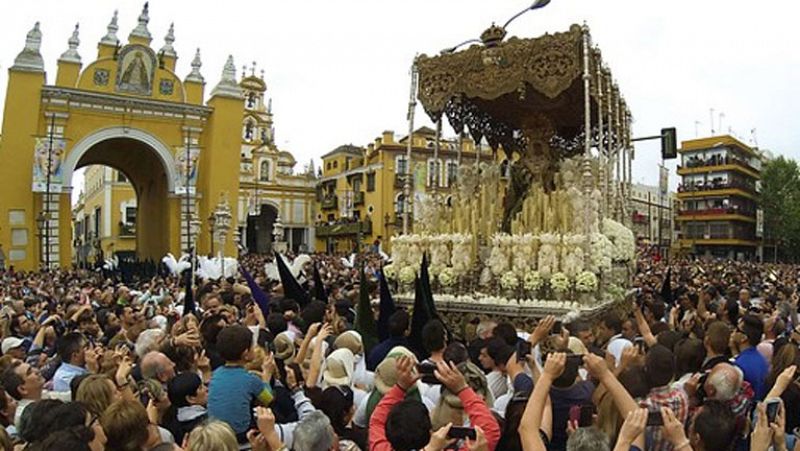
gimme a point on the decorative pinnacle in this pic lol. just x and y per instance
(262, 74)
(111, 36)
(141, 30)
(71, 55)
(196, 64)
(30, 59)
(253, 69)
(168, 50)
(227, 86)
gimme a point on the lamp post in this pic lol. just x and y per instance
(41, 219)
(211, 221)
(222, 223)
(277, 235)
(46, 215)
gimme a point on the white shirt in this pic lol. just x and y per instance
(616, 345)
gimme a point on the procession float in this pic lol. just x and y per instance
(544, 232)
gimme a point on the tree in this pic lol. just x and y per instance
(780, 193)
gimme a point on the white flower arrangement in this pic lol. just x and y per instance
(572, 259)
(499, 258)
(586, 282)
(623, 239)
(390, 271)
(524, 256)
(461, 257)
(559, 282)
(548, 253)
(407, 275)
(447, 277)
(601, 253)
(435, 270)
(532, 281)
(509, 281)
(440, 250)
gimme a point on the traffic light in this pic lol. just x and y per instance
(669, 143)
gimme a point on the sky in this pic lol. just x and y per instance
(338, 71)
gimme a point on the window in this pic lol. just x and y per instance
(371, 182)
(264, 173)
(328, 166)
(398, 203)
(357, 184)
(505, 169)
(264, 135)
(130, 215)
(357, 215)
(335, 164)
(452, 172)
(434, 171)
(97, 221)
(251, 100)
(248, 130)
(401, 165)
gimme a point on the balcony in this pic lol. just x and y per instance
(330, 202)
(358, 198)
(127, 230)
(344, 228)
(717, 188)
(695, 165)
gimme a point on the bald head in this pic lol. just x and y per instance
(723, 382)
(156, 365)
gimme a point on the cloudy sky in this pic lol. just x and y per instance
(338, 70)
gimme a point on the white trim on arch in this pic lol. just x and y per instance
(88, 141)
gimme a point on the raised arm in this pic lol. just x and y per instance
(599, 370)
(531, 422)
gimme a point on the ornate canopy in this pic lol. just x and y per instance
(501, 88)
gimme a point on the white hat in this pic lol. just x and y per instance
(11, 343)
(339, 367)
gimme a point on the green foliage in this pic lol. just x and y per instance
(780, 200)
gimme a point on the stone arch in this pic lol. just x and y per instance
(150, 168)
(86, 143)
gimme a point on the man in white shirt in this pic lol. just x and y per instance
(609, 336)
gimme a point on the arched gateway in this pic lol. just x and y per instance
(127, 110)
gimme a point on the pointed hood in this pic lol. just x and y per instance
(261, 299)
(365, 320)
(666, 287)
(291, 288)
(387, 307)
(319, 288)
(425, 280)
(419, 317)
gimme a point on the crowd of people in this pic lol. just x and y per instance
(701, 356)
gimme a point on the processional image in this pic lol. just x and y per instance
(550, 237)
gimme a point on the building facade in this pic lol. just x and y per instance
(361, 192)
(104, 218)
(652, 215)
(720, 178)
(272, 196)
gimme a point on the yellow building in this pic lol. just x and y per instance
(104, 218)
(361, 191)
(269, 191)
(719, 196)
(127, 109)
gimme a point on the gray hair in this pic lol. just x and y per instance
(148, 340)
(588, 439)
(726, 380)
(313, 433)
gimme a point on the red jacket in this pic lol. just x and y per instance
(474, 407)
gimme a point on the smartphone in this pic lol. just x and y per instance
(654, 418)
(575, 414)
(426, 371)
(459, 432)
(523, 349)
(575, 359)
(773, 404)
(587, 416)
(557, 326)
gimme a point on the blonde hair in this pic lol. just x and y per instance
(213, 436)
(126, 426)
(96, 393)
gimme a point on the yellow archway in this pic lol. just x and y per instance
(129, 110)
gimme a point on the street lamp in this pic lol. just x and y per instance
(211, 221)
(222, 224)
(41, 219)
(277, 235)
(536, 5)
